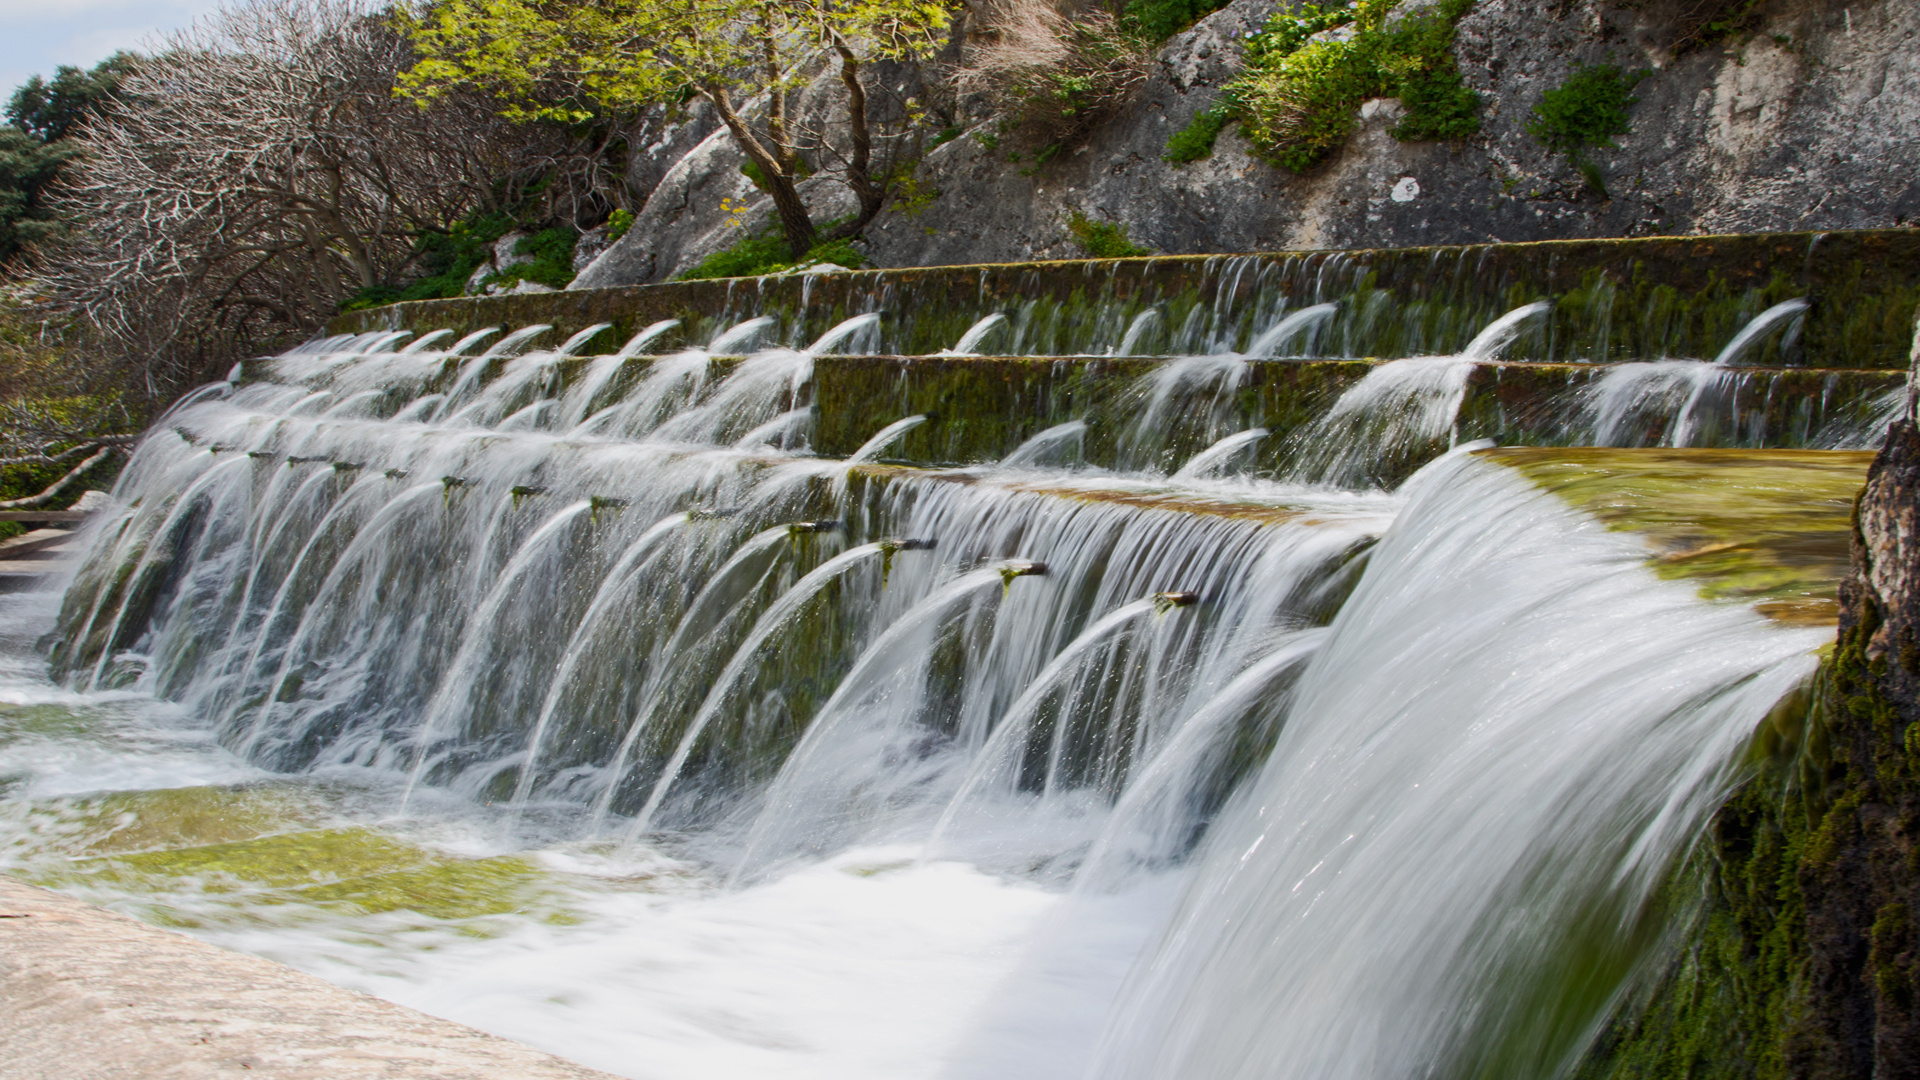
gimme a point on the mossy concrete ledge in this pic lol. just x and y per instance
(86, 993)
(1614, 300)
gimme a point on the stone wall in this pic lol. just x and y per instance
(1614, 299)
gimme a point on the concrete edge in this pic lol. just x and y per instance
(88, 993)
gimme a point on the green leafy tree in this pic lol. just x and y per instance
(51, 110)
(564, 60)
(28, 167)
(34, 146)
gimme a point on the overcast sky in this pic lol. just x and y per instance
(37, 36)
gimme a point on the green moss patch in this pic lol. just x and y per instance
(247, 849)
(1770, 528)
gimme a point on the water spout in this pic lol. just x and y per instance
(694, 623)
(835, 758)
(833, 338)
(1137, 330)
(1000, 759)
(884, 438)
(580, 339)
(1214, 458)
(744, 658)
(1503, 331)
(1043, 446)
(775, 431)
(475, 338)
(1757, 328)
(425, 341)
(741, 337)
(1146, 828)
(969, 343)
(506, 345)
(1297, 324)
(645, 338)
(457, 682)
(630, 566)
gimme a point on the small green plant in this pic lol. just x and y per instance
(766, 252)
(1440, 106)
(552, 260)
(1300, 93)
(618, 223)
(988, 141)
(1103, 239)
(1585, 113)
(1195, 141)
(946, 135)
(1587, 110)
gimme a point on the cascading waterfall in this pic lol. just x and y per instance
(1402, 887)
(1352, 771)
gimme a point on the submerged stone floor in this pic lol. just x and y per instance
(86, 993)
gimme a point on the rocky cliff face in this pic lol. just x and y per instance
(1807, 120)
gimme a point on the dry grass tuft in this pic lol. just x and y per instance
(1051, 75)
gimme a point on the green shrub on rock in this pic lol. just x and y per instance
(1584, 113)
(1309, 71)
(765, 252)
(1587, 110)
(1195, 141)
(1103, 239)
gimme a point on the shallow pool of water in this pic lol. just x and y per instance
(637, 961)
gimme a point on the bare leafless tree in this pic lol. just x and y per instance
(257, 170)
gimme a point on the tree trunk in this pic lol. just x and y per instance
(872, 195)
(795, 222)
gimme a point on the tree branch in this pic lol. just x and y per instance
(61, 484)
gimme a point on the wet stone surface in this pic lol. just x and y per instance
(1766, 527)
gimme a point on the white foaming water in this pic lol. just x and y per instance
(1216, 457)
(969, 343)
(1397, 893)
(867, 966)
(1297, 324)
(1400, 409)
(798, 692)
(1664, 395)
(885, 437)
(1055, 441)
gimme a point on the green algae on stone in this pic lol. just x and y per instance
(18, 722)
(1770, 528)
(251, 848)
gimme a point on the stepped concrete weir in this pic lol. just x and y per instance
(1234, 661)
